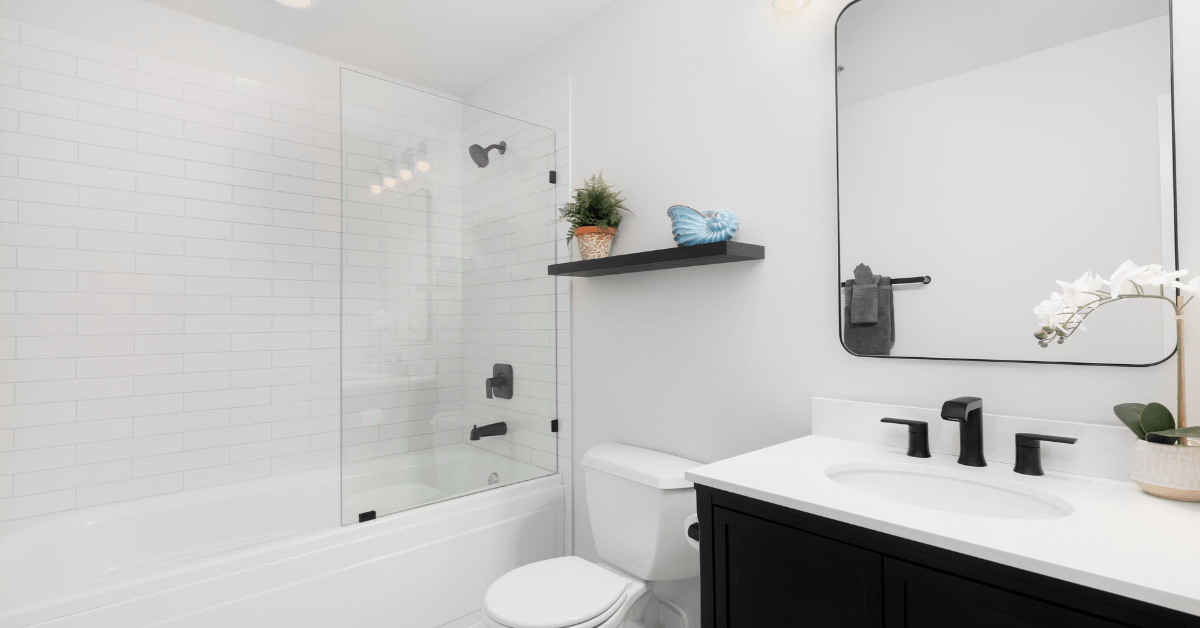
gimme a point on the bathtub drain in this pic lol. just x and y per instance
(494, 478)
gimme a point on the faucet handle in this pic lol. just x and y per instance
(1029, 451)
(918, 436)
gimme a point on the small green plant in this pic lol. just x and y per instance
(594, 205)
(1152, 418)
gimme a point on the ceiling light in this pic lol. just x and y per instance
(406, 174)
(390, 182)
(423, 166)
(782, 5)
(303, 5)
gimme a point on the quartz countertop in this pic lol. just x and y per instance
(1118, 539)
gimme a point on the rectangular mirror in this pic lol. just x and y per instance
(996, 147)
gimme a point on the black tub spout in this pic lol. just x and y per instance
(495, 429)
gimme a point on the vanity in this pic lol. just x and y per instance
(842, 528)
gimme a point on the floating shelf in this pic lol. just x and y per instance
(662, 259)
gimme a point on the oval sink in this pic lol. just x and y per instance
(948, 490)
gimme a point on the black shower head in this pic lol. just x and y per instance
(479, 154)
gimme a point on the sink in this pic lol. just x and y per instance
(949, 490)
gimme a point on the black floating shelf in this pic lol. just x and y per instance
(662, 259)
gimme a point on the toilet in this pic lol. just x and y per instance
(639, 505)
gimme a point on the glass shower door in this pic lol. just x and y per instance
(446, 235)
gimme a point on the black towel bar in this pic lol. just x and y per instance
(925, 279)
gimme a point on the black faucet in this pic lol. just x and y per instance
(494, 429)
(1029, 452)
(918, 436)
(968, 412)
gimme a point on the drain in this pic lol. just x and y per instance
(494, 478)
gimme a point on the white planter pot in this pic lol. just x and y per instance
(1168, 471)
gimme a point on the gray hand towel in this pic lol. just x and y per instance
(864, 308)
(876, 339)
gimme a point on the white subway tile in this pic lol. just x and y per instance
(183, 110)
(228, 286)
(184, 72)
(70, 216)
(181, 304)
(16, 325)
(309, 119)
(40, 504)
(34, 146)
(25, 461)
(129, 242)
(271, 93)
(269, 377)
(226, 137)
(227, 324)
(184, 149)
(9, 120)
(180, 422)
(304, 426)
(277, 200)
(271, 270)
(171, 186)
(73, 433)
(271, 305)
(129, 79)
(177, 265)
(234, 213)
(128, 407)
(33, 415)
(131, 160)
(126, 448)
(128, 489)
(272, 129)
(225, 436)
(76, 174)
(38, 191)
(192, 227)
(309, 460)
(198, 344)
(226, 473)
(73, 131)
(108, 325)
(224, 174)
(131, 201)
(180, 383)
(270, 413)
(73, 303)
(271, 342)
(71, 477)
(307, 187)
(76, 46)
(303, 152)
(74, 390)
(80, 89)
(229, 249)
(238, 398)
(37, 370)
(73, 346)
(270, 163)
(39, 58)
(129, 365)
(121, 283)
(10, 29)
(130, 120)
(268, 449)
(227, 101)
(226, 361)
(13, 234)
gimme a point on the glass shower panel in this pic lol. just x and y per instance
(445, 240)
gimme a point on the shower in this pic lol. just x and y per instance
(479, 154)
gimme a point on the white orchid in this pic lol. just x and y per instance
(1192, 287)
(1122, 282)
(1083, 292)
(1155, 276)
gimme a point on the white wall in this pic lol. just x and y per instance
(727, 104)
(1000, 180)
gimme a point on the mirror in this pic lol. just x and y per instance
(996, 147)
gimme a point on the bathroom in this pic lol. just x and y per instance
(253, 278)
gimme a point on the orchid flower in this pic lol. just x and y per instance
(1154, 276)
(1122, 282)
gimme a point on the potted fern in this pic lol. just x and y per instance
(594, 215)
(1165, 460)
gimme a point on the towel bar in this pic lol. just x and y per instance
(925, 279)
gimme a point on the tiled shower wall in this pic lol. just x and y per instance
(403, 281)
(169, 273)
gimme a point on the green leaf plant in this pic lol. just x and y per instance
(1152, 418)
(595, 204)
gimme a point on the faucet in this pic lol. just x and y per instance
(968, 413)
(494, 429)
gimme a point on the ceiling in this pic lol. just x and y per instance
(449, 45)
(885, 46)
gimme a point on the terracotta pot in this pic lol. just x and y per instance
(595, 242)
(1169, 471)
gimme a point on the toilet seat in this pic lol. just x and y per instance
(566, 592)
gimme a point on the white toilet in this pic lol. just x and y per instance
(639, 505)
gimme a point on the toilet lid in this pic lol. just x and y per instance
(553, 593)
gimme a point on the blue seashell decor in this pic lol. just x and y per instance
(694, 227)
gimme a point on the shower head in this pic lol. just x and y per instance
(479, 154)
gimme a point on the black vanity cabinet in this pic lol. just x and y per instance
(764, 565)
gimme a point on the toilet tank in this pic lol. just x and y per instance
(637, 503)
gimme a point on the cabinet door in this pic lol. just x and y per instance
(767, 575)
(916, 597)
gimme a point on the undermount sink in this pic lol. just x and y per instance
(949, 490)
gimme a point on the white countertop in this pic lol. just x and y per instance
(1118, 539)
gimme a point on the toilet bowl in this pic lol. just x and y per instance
(638, 504)
(567, 592)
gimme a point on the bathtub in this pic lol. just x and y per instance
(271, 552)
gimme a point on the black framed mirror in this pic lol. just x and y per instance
(992, 149)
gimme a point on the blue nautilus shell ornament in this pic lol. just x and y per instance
(694, 227)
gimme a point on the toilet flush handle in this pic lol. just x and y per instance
(691, 529)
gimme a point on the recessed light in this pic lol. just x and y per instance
(423, 166)
(406, 175)
(303, 5)
(390, 182)
(376, 189)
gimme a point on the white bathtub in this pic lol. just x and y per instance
(270, 552)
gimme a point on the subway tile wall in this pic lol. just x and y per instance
(169, 267)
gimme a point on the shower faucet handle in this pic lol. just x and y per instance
(500, 383)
